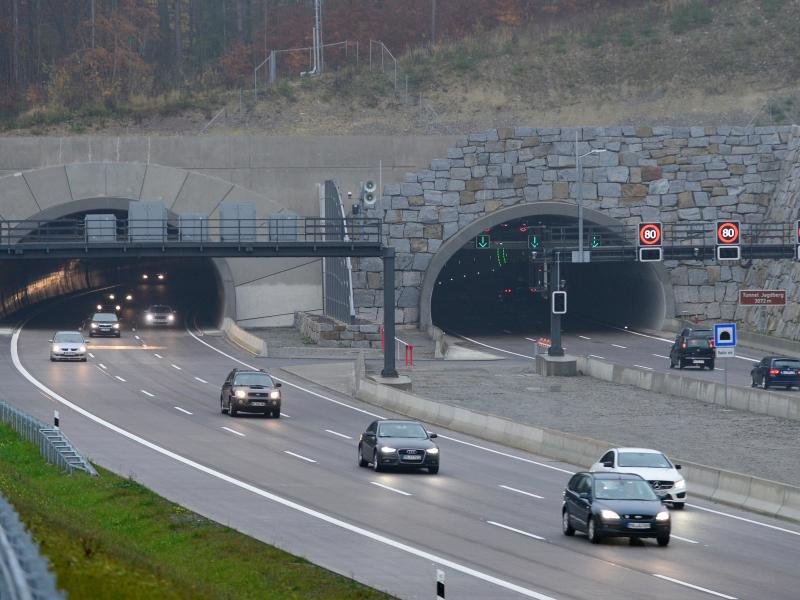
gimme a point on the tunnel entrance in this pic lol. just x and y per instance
(504, 288)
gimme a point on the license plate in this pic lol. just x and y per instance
(787, 372)
(639, 525)
(258, 404)
(412, 457)
(698, 362)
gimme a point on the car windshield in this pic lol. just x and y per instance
(643, 459)
(104, 317)
(252, 379)
(402, 430)
(697, 342)
(786, 364)
(160, 308)
(67, 337)
(623, 489)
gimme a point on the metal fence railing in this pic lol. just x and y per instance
(338, 270)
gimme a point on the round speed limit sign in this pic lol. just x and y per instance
(727, 232)
(650, 234)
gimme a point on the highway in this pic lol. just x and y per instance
(147, 405)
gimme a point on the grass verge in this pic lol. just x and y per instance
(110, 537)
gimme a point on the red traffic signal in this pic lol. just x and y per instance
(650, 234)
(727, 232)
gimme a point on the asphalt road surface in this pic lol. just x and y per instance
(147, 405)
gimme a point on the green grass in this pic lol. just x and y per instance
(690, 16)
(110, 537)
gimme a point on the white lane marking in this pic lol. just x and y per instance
(746, 520)
(653, 337)
(177, 367)
(157, 355)
(341, 435)
(102, 366)
(201, 380)
(596, 356)
(718, 369)
(300, 456)
(91, 355)
(146, 393)
(695, 587)
(747, 359)
(232, 431)
(532, 535)
(511, 489)
(643, 367)
(120, 378)
(583, 337)
(183, 410)
(660, 356)
(618, 346)
(283, 414)
(283, 381)
(495, 348)
(527, 460)
(683, 539)
(506, 331)
(391, 489)
(137, 337)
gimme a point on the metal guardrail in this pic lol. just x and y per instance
(53, 445)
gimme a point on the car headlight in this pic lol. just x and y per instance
(388, 450)
(94, 325)
(111, 296)
(99, 307)
(680, 484)
(116, 325)
(81, 348)
(148, 317)
(662, 516)
(56, 348)
(128, 297)
(160, 276)
(240, 394)
(274, 395)
(608, 514)
(145, 276)
(118, 307)
(170, 317)
(432, 451)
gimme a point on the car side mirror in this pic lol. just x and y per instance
(608, 464)
(585, 495)
(278, 384)
(432, 435)
(678, 467)
(86, 342)
(51, 341)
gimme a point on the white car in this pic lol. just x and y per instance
(68, 345)
(652, 465)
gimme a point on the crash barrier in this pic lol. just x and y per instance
(735, 489)
(24, 572)
(53, 445)
(247, 341)
(750, 399)
(408, 349)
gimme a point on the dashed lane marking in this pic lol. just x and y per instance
(120, 378)
(341, 435)
(583, 337)
(683, 539)
(102, 366)
(391, 489)
(300, 456)
(661, 356)
(91, 355)
(643, 367)
(232, 431)
(618, 346)
(177, 367)
(511, 489)
(183, 410)
(146, 393)
(515, 530)
(695, 587)
(157, 355)
(201, 380)
(596, 356)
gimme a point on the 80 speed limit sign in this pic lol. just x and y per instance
(649, 234)
(727, 232)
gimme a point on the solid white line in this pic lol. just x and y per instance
(232, 431)
(201, 380)
(618, 346)
(751, 521)
(527, 460)
(283, 381)
(583, 337)
(653, 337)
(643, 367)
(91, 355)
(463, 337)
(695, 587)
(177, 367)
(146, 393)
(661, 356)
(300, 456)
(120, 378)
(283, 414)
(532, 535)
(595, 356)
(683, 539)
(102, 366)
(341, 435)
(505, 487)
(157, 355)
(386, 487)
(183, 410)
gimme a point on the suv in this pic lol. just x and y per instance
(247, 390)
(103, 323)
(693, 347)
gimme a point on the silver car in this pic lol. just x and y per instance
(159, 315)
(68, 345)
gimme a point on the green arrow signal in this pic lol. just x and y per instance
(533, 242)
(483, 242)
(596, 241)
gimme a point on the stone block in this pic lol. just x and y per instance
(618, 174)
(411, 189)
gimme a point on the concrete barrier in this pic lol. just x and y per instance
(247, 341)
(736, 489)
(750, 399)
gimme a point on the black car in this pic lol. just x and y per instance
(393, 443)
(614, 505)
(250, 391)
(103, 323)
(693, 347)
(776, 371)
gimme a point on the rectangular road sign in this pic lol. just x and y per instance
(762, 297)
(725, 335)
(726, 352)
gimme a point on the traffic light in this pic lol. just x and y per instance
(533, 241)
(596, 240)
(559, 303)
(483, 241)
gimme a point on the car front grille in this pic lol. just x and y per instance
(638, 518)
(660, 484)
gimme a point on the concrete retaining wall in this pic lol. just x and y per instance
(749, 399)
(735, 489)
(236, 335)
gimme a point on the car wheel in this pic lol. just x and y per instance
(83, 359)
(592, 533)
(375, 464)
(764, 384)
(663, 540)
(678, 505)
(52, 359)
(222, 409)
(362, 462)
(680, 363)
(566, 526)
(231, 410)
(753, 382)
(433, 470)
(276, 413)
(702, 367)
(711, 365)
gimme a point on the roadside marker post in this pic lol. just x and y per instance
(55, 419)
(439, 584)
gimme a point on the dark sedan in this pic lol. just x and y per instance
(776, 371)
(398, 444)
(614, 505)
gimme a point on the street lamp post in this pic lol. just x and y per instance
(579, 175)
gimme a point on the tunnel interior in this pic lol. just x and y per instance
(505, 287)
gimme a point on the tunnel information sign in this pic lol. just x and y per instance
(762, 297)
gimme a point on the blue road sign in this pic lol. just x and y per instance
(725, 335)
